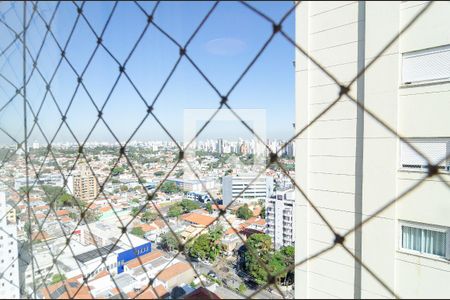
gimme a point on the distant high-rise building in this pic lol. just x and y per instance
(243, 149)
(9, 263)
(83, 184)
(233, 186)
(219, 147)
(289, 150)
(280, 218)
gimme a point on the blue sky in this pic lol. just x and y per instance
(222, 49)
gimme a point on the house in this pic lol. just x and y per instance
(175, 275)
(70, 288)
(144, 259)
(198, 219)
(158, 292)
(190, 231)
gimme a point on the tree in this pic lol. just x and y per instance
(27, 229)
(216, 232)
(124, 188)
(169, 242)
(175, 211)
(259, 246)
(65, 200)
(209, 208)
(262, 214)
(169, 187)
(260, 252)
(159, 173)
(288, 254)
(242, 288)
(117, 170)
(24, 190)
(189, 205)
(57, 196)
(137, 231)
(135, 211)
(91, 215)
(148, 216)
(58, 278)
(208, 246)
(179, 173)
(244, 212)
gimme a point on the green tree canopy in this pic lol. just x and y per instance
(189, 205)
(209, 208)
(149, 216)
(159, 173)
(58, 278)
(207, 246)
(244, 212)
(91, 215)
(169, 187)
(168, 241)
(57, 196)
(175, 211)
(117, 170)
(260, 251)
(262, 214)
(137, 231)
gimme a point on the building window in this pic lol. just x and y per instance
(425, 239)
(434, 149)
(426, 65)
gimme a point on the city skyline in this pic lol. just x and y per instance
(221, 50)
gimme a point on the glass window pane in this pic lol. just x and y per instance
(424, 240)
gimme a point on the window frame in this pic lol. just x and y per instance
(404, 83)
(422, 169)
(424, 226)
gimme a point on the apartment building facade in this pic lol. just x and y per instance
(83, 184)
(9, 263)
(280, 218)
(350, 166)
(246, 187)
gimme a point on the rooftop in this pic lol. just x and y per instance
(93, 254)
(174, 270)
(199, 219)
(144, 259)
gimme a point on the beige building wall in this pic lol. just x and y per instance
(85, 186)
(348, 164)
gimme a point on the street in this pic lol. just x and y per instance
(231, 281)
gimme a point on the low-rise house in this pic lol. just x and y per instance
(175, 275)
(198, 219)
(68, 289)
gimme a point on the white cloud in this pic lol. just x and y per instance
(225, 46)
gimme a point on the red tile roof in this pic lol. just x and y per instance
(62, 212)
(146, 227)
(174, 270)
(198, 219)
(144, 259)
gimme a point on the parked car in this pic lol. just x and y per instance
(212, 274)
